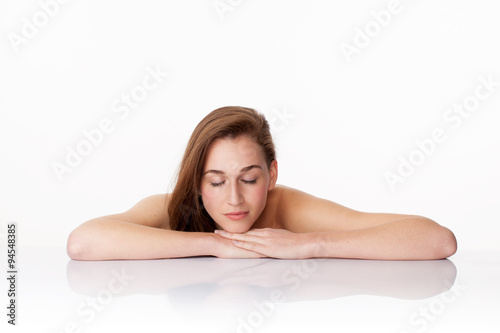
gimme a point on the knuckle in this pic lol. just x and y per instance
(267, 232)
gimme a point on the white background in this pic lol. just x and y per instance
(351, 120)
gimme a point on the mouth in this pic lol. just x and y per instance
(237, 215)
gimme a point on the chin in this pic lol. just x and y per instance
(237, 229)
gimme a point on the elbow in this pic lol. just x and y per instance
(440, 242)
(446, 244)
(75, 247)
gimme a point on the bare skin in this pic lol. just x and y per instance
(306, 227)
(283, 230)
(280, 222)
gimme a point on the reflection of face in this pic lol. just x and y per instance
(235, 183)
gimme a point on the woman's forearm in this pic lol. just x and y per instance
(412, 238)
(108, 239)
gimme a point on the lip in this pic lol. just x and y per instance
(237, 215)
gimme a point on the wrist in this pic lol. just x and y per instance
(211, 244)
(317, 245)
(198, 244)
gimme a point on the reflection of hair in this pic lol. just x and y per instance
(185, 210)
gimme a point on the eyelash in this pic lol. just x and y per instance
(244, 181)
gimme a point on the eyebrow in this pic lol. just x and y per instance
(245, 169)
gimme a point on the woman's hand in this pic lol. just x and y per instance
(274, 243)
(224, 248)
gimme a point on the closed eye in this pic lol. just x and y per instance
(243, 180)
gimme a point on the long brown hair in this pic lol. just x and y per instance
(185, 210)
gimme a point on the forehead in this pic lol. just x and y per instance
(236, 152)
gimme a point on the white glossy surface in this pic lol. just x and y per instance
(226, 295)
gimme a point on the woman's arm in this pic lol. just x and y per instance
(317, 227)
(408, 238)
(143, 233)
(109, 239)
(412, 238)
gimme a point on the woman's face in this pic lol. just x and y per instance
(235, 183)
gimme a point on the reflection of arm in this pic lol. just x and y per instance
(154, 277)
(332, 278)
(319, 279)
(341, 232)
(297, 280)
(140, 233)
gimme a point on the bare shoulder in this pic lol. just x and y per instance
(151, 211)
(299, 211)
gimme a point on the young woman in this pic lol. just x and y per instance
(226, 203)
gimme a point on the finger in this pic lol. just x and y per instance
(256, 231)
(254, 247)
(240, 237)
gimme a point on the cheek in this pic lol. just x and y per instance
(258, 196)
(210, 197)
(207, 194)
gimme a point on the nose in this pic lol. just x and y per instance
(235, 195)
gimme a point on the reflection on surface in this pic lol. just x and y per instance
(201, 282)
